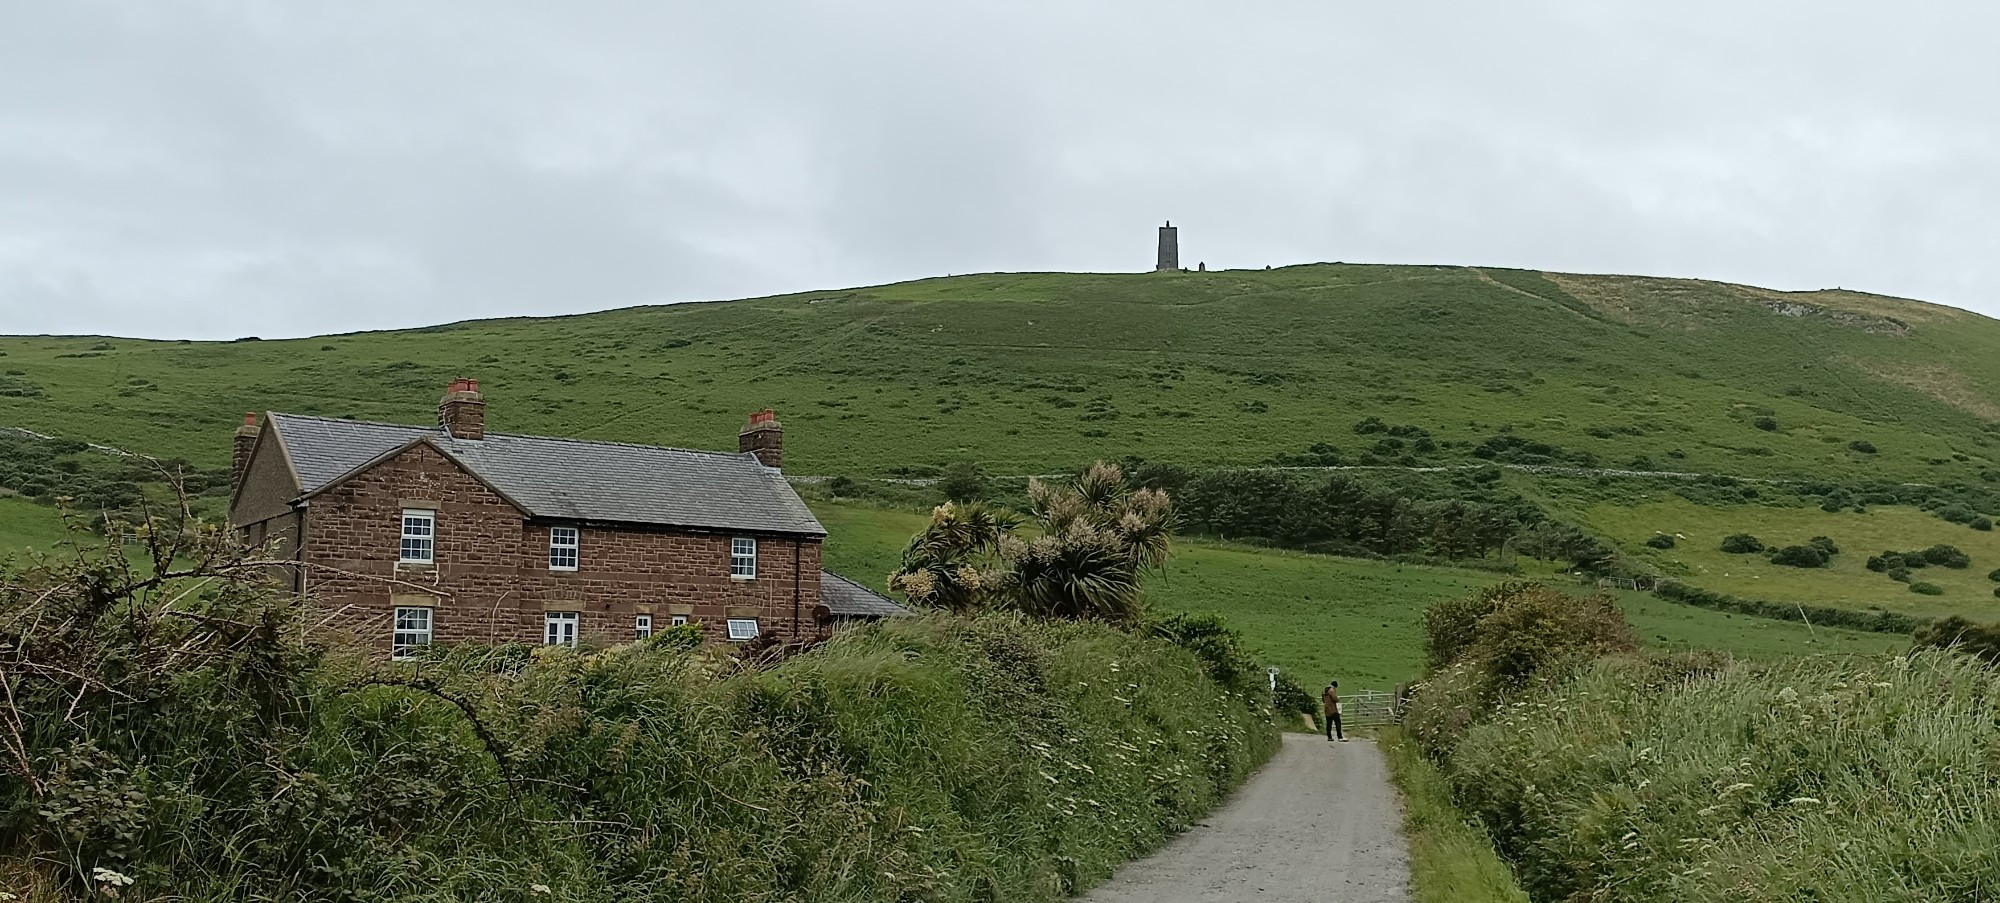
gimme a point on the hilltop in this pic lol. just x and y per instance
(1031, 372)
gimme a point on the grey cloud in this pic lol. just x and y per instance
(221, 169)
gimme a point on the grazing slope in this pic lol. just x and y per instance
(1029, 372)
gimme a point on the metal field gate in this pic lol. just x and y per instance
(1368, 708)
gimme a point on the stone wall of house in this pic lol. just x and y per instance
(490, 578)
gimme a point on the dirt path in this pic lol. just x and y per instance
(1320, 823)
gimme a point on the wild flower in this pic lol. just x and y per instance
(538, 889)
(110, 878)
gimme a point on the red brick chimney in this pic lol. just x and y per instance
(462, 412)
(763, 437)
(246, 442)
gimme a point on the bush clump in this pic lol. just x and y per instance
(1810, 556)
(1961, 635)
(1742, 544)
(1946, 556)
(1661, 541)
(1926, 589)
(1863, 446)
(1493, 644)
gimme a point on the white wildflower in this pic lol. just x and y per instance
(538, 889)
(106, 876)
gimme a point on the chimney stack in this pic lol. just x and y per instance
(462, 412)
(763, 437)
(246, 442)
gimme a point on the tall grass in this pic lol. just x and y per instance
(1829, 779)
(937, 758)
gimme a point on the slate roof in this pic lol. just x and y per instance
(570, 479)
(845, 598)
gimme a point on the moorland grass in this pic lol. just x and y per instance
(1031, 372)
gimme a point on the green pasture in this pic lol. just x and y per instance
(1355, 620)
(1698, 557)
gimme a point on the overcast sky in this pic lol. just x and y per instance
(214, 170)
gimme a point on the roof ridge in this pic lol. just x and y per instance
(441, 432)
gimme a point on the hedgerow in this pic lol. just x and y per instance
(1818, 615)
(1689, 777)
(171, 732)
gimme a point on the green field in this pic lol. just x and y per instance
(26, 526)
(1699, 559)
(1358, 621)
(1029, 372)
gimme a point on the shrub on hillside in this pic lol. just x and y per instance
(1801, 557)
(1661, 541)
(1742, 544)
(1982, 522)
(962, 481)
(1899, 574)
(1767, 424)
(1946, 556)
(1994, 576)
(1863, 446)
(1825, 544)
(1926, 589)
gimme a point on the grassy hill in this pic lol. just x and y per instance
(1031, 372)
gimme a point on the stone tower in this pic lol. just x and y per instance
(1170, 249)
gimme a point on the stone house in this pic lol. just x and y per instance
(408, 535)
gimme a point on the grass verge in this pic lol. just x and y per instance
(1451, 858)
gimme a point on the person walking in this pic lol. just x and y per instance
(1331, 699)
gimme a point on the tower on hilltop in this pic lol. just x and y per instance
(1170, 249)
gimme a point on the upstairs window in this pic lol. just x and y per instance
(743, 558)
(563, 548)
(643, 626)
(412, 633)
(419, 535)
(741, 629)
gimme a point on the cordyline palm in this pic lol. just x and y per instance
(1095, 540)
(950, 563)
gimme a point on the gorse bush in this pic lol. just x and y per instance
(177, 732)
(1833, 780)
(1742, 544)
(1922, 588)
(1489, 646)
(1801, 557)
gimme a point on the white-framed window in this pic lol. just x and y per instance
(676, 620)
(741, 629)
(412, 631)
(559, 628)
(743, 558)
(563, 542)
(419, 535)
(642, 626)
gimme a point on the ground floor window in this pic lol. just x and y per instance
(643, 626)
(412, 631)
(741, 629)
(676, 620)
(559, 628)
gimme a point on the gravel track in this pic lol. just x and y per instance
(1319, 823)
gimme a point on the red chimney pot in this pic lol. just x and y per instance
(249, 418)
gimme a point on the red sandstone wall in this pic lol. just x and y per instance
(491, 580)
